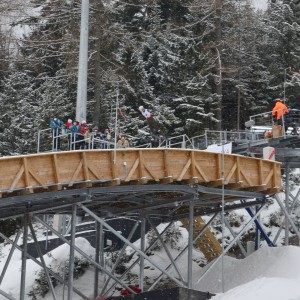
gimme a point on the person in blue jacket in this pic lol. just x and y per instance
(56, 125)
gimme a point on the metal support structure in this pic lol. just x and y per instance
(6, 295)
(38, 248)
(184, 250)
(119, 257)
(258, 226)
(11, 252)
(166, 249)
(287, 192)
(234, 235)
(190, 245)
(230, 245)
(56, 276)
(97, 258)
(137, 260)
(24, 257)
(72, 253)
(83, 63)
(257, 231)
(92, 261)
(288, 217)
(142, 260)
(94, 216)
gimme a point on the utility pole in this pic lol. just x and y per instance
(83, 63)
(218, 39)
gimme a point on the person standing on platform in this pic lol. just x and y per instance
(279, 111)
(56, 125)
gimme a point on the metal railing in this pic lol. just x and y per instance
(49, 140)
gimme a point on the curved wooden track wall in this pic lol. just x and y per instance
(57, 170)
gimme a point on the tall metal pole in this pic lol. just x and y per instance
(24, 257)
(190, 245)
(287, 192)
(97, 259)
(72, 254)
(284, 81)
(142, 260)
(83, 63)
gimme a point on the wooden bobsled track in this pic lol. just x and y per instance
(128, 181)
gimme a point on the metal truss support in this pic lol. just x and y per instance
(92, 261)
(287, 192)
(257, 231)
(42, 261)
(230, 245)
(142, 259)
(190, 245)
(258, 226)
(295, 199)
(166, 249)
(137, 260)
(72, 254)
(119, 257)
(184, 250)
(234, 235)
(24, 257)
(288, 217)
(6, 295)
(97, 257)
(129, 244)
(55, 275)
(11, 252)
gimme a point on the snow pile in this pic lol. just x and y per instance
(269, 273)
(55, 259)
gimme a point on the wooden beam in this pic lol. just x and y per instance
(151, 173)
(133, 169)
(85, 166)
(113, 182)
(193, 167)
(113, 165)
(56, 169)
(37, 179)
(75, 173)
(230, 174)
(26, 172)
(201, 172)
(260, 172)
(238, 169)
(246, 178)
(166, 180)
(141, 158)
(268, 178)
(93, 171)
(17, 178)
(166, 164)
(236, 185)
(184, 170)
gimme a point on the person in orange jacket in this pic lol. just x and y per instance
(278, 111)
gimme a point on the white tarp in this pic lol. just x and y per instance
(226, 148)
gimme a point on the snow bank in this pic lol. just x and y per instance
(263, 265)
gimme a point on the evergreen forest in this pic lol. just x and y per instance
(195, 64)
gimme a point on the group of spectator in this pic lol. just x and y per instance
(83, 136)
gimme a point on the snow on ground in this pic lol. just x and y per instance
(278, 263)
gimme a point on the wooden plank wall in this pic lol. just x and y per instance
(57, 169)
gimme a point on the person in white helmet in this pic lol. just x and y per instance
(153, 125)
(145, 112)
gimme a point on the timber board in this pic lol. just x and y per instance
(125, 166)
